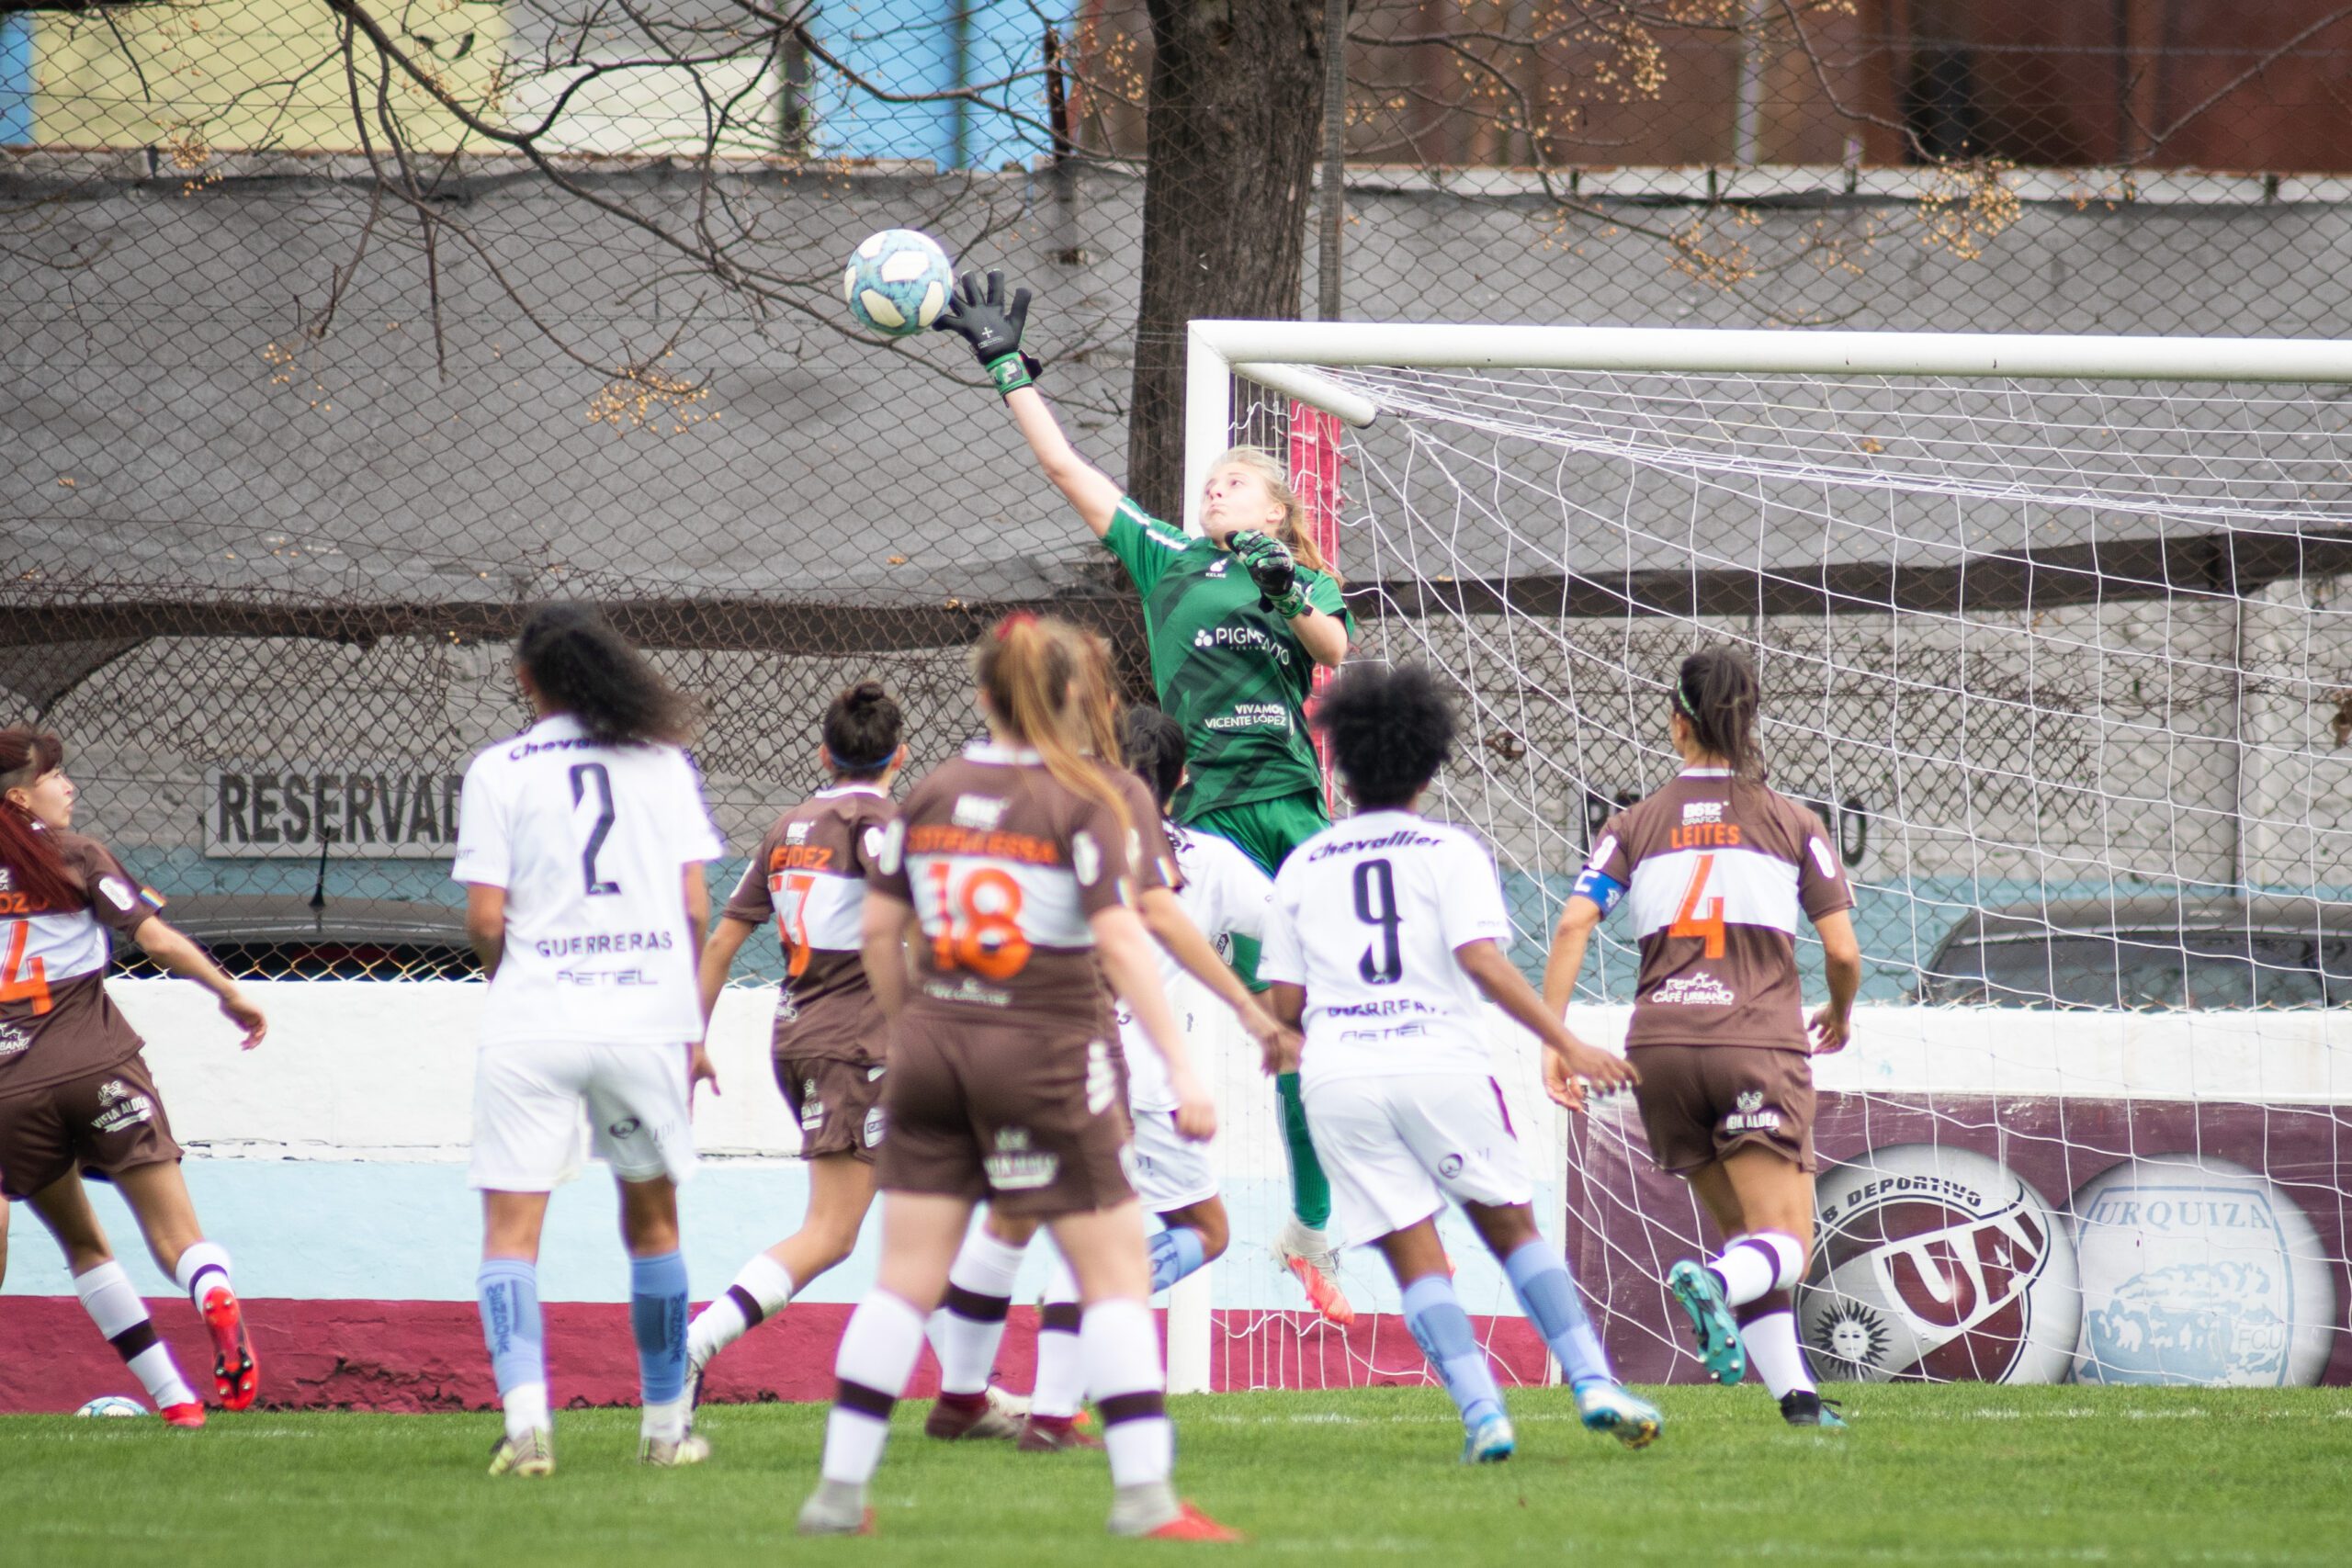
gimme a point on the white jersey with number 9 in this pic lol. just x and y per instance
(590, 843)
(1367, 916)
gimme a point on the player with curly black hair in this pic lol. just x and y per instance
(1398, 1097)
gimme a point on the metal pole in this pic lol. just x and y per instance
(1334, 212)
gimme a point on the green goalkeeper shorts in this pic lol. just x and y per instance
(1268, 830)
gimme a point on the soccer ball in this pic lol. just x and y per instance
(113, 1404)
(897, 281)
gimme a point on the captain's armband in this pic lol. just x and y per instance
(1600, 886)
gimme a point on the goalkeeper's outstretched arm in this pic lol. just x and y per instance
(980, 314)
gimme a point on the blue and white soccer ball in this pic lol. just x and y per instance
(113, 1404)
(897, 281)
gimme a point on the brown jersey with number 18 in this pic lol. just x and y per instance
(1002, 1083)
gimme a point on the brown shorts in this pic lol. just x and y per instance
(104, 1121)
(1027, 1119)
(839, 1104)
(1700, 1103)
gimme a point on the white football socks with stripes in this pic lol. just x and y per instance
(761, 1288)
(113, 1304)
(876, 1356)
(1749, 1266)
(202, 1267)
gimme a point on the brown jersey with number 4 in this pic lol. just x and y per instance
(809, 873)
(56, 1020)
(1714, 871)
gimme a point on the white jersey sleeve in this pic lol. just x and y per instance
(1226, 895)
(1470, 899)
(481, 829)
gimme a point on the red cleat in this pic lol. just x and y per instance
(1053, 1434)
(190, 1416)
(1191, 1524)
(236, 1376)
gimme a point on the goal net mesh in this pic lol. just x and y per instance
(2067, 669)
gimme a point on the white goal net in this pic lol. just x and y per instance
(2064, 660)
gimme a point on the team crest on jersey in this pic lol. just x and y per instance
(12, 1041)
(981, 812)
(1218, 566)
(1015, 1166)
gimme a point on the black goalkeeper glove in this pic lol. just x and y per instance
(1274, 570)
(980, 316)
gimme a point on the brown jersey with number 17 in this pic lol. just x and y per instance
(1714, 871)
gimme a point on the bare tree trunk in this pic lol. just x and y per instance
(1237, 107)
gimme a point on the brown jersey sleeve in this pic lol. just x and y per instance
(116, 899)
(1098, 854)
(1822, 887)
(1149, 855)
(750, 900)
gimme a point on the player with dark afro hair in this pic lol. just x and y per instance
(1390, 729)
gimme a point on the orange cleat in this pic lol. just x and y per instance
(1047, 1434)
(1191, 1524)
(1323, 1293)
(236, 1376)
(189, 1415)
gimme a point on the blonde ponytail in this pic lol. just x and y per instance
(1276, 478)
(1030, 671)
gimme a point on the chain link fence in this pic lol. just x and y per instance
(338, 333)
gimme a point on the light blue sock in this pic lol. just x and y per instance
(1548, 1297)
(507, 1290)
(1442, 1330)
(657, 1314)
(1175, 1252)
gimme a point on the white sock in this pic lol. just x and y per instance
(970, 1325)
(877, 1355)
(1749, 1266)
(1773, 1351)
(1121, 1346)
(666, 1421)
(526, 1409)
(113, 1304)
(761, 1288)
(1061, 1364)
(202, 1267)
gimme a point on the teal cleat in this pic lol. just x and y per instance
(1610, 1407)
(1711, 1320)
(1804, 1407)
(1491, 1441)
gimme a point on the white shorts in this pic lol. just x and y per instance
(528, 1100)
(1396, 1148)
(1170, 1171)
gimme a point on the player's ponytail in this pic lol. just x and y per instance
(862, 731)
(1099, 703)
(1031, 673)
(1293, 533)
(1717, 693)
(26, 852)
(583, 667)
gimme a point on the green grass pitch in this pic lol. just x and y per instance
(1960, 1473)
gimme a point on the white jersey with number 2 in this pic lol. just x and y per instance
(590, 843)
(1367, 916)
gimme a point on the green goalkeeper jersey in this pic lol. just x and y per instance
(1227, 670)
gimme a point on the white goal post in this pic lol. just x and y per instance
(2047, 621)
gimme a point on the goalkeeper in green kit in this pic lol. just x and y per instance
(1238, 619)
